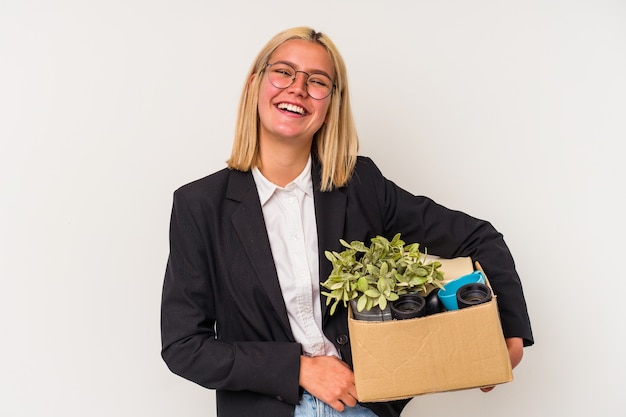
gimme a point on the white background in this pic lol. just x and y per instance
(512, 111)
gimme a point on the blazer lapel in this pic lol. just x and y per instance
(330, 212)
(249, 223)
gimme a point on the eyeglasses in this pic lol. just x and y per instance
(282, 75)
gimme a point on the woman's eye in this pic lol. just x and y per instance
(319, 81)
(283, 72)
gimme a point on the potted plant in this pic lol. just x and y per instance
(371, 277)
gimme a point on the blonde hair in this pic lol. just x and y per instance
(335, 144)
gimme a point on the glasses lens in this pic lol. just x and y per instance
(281, 75)
(319, 86)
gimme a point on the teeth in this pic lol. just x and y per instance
(291, 107)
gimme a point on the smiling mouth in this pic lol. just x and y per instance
(292, 108)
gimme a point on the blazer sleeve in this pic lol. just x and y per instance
(450, 233)
(190, 346)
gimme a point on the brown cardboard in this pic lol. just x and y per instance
(448, 351)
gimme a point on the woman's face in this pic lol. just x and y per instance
(290, 114)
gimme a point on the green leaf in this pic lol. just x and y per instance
(393, 297)
(362, 284)
(330, 256)
(337, 293)
(372, 293)
(422, 272)
(418, 281)
(372, 269)
(333, 308)
(336, 285)
(382, 285)
(359, 246)
(361, 303)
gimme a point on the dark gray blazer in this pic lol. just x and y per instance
(224, 322)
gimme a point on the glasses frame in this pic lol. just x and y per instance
(306, 81)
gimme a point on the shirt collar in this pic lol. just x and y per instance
(266, 188)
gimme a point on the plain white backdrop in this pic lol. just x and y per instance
(512, 111)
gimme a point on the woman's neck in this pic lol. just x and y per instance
(281, 165)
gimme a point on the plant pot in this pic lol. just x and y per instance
(472, 294)
(433, 303)
(375, 314)
(408, 306)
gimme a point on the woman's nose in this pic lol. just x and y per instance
(299, 84)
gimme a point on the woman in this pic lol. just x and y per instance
(241, 308)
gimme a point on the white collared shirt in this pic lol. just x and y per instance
(289, 214)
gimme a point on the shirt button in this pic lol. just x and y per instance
(342, 339)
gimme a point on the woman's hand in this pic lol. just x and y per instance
(515, 345)
(328, 379)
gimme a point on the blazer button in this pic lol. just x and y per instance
(279, 398)
(342, 339)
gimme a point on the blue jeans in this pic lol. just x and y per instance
(312, 407)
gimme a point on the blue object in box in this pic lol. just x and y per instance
(447, 294)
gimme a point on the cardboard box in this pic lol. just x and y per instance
(448, 351)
